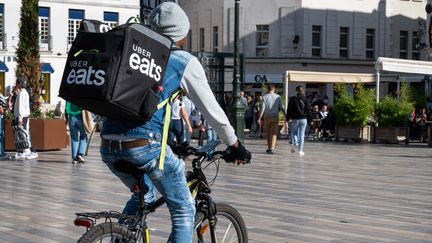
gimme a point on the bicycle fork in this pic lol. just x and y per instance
(212, 217)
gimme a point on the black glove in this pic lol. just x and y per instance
(240, 153)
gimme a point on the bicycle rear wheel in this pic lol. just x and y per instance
(107, 232)
(230, 226)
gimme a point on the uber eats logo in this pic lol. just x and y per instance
(82, 73)
(141, 60)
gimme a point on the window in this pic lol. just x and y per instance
(403, 44)
(343, 42)
(370, 43)
(1, 25)
(262, 40)
(316, 41)
(44, 28)
(415, 46)
(111, 19)
(75, 18)
(201, 39)
(189, 41)
(215, 39)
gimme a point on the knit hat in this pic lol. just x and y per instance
(169, 19)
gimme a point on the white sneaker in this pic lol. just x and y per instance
(18, 155)
(301, 153)
(32, 155)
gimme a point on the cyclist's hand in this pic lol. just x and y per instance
(238, 154)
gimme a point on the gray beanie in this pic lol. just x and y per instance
(169, 19)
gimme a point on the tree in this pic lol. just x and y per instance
(28, 56)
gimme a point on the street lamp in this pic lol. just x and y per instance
(238, 107)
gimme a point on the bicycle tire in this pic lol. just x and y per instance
(107, 232)
(227, 216)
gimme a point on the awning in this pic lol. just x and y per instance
(3, 67)
(324, 77)
(46, 68)
(329, 77)
(400, 66)
(403, 65)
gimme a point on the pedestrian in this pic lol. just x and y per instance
(249, 113)
(2, 130)
(271, 105)
(299, 112)
(178, 115)
(189, 107)
(140, 142)
(78, 135)
(21, 123)
(210, 132)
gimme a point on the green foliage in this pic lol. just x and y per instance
(38, 114)
(28, 56)
(354, 110)
(394, 113)
(418, 97)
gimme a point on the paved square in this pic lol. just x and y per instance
(338, 192)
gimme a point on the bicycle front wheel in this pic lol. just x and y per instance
(107, 232)
(230, 226)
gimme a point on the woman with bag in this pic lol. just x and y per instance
(78, 135)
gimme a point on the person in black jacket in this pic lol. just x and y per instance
(299, 112)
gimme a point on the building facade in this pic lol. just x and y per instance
(275, 36)
(59, 21)
(306, 35)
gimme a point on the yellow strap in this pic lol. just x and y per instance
(167, 120)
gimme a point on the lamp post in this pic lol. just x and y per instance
(238, 107)
(141, 11)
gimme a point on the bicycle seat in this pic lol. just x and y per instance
(129, 168)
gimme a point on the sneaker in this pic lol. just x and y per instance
(293, 148)
(18, 155)
(301, 153)
(270, 151)
(75, 161)
(32, 155)
(80, 158)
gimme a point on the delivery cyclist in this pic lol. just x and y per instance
(141, 142)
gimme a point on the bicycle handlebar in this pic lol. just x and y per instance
(208, 150)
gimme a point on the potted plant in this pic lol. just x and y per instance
(353, 112)
(392, 117)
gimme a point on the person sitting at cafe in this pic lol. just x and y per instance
(421, 124)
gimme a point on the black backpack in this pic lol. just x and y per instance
(296, 107)
(118, 73)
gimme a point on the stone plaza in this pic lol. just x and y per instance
(338, 192)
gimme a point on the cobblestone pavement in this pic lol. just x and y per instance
(338, 192)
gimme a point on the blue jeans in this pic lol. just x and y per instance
(76, 126)
(211, 135)
(171, 183)
(176, 131)
(298, 129)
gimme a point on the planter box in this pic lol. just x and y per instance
(354, 133)
(391, 134)
(48, 134)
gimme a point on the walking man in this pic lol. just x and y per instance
(271, 105)
(298, 111)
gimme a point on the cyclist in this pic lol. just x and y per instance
(140, 143)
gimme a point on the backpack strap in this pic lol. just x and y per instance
(167, 120)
